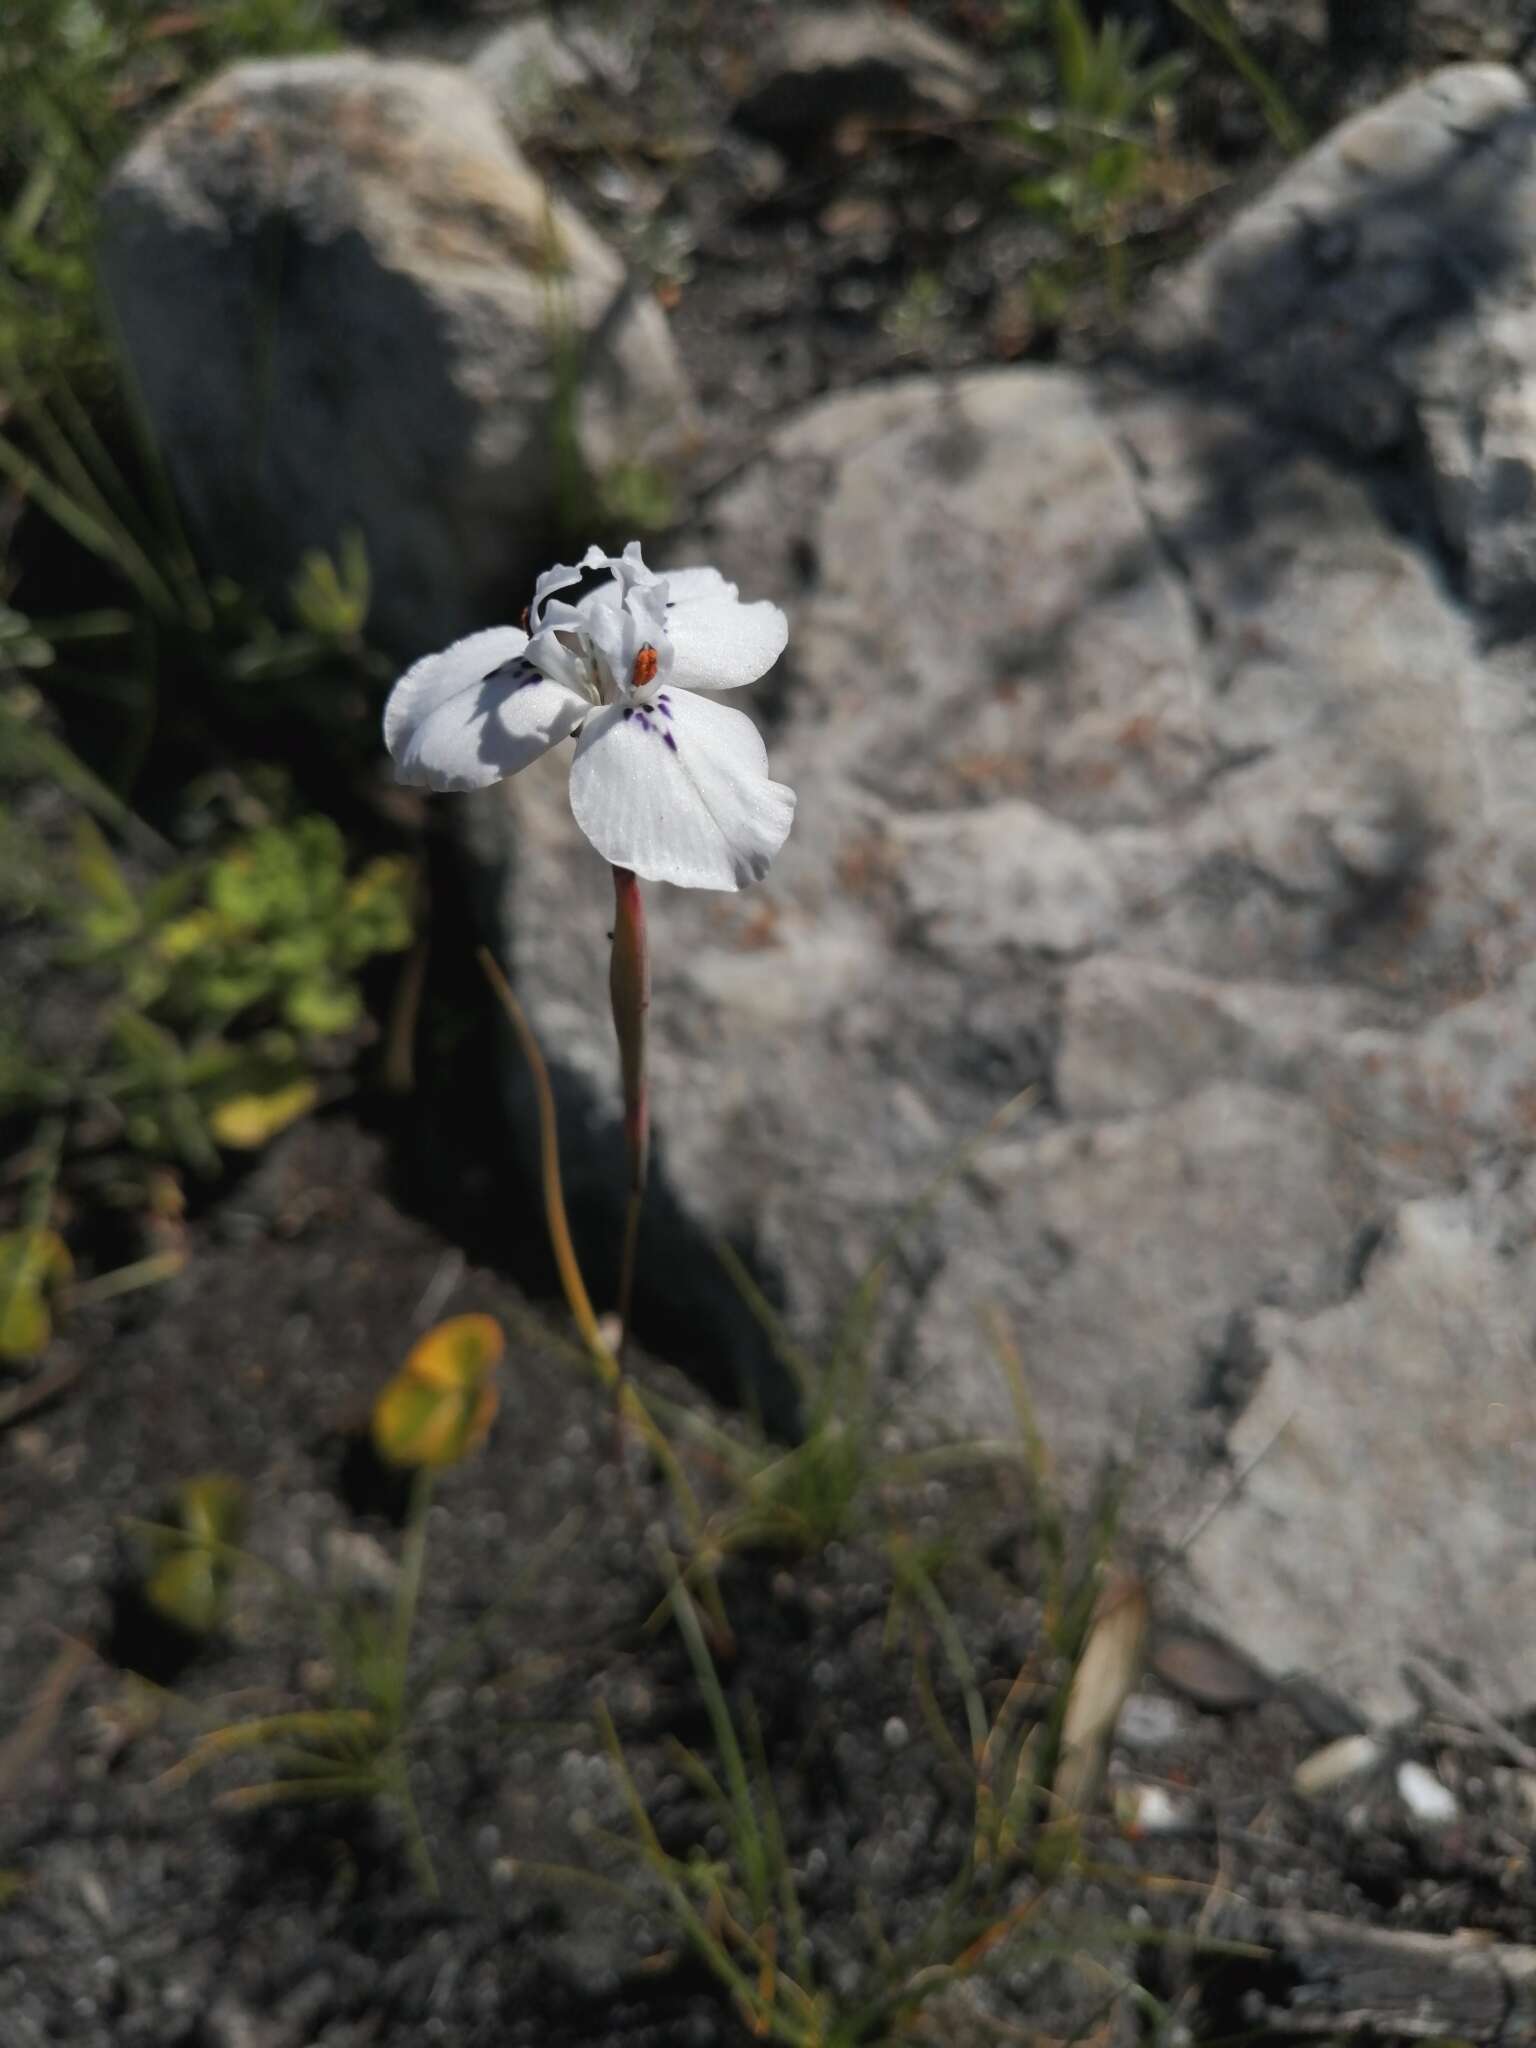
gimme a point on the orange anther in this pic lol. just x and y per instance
(646, 664)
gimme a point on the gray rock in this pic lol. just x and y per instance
(1317, 296)
(529, 69)
(1124, 1250)
(1145, 761)
(1384, 294)
(1140, 760)
(825, 65)
(347, 300)
(1047, 890)
(534, 67)
(1137, 1034)
(1390, 1462)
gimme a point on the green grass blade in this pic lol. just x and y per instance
(98, 537)
(947, 1630)
(1214, 19)
(796, 1362)
(751, 1849)
(686, 1913)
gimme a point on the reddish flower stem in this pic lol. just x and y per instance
(629, 988)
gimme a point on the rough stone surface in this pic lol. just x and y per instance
(528, 68)
(533, 68)
(1384, 293)
(1148, 761)
(1392, 1446)
(343, 295)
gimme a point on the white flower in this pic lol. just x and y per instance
(668, 783)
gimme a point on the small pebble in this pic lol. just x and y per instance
(1148, 1810)
(1425, 1797)
(1335, 1764)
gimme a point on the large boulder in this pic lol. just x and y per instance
(1148, 760)
(1384, 293)
(350, 304)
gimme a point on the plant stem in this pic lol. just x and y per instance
(413, 1560)
(408, 1593)
(630, 1404)
(575, 1289)
(148, 1272)
(629, 989)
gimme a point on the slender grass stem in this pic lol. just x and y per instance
(415, 1834)
(575, 1288)
(408, 1594)
(127, 1279)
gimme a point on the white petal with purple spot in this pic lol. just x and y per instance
(466, 717)
(665, 781)
(678, 790)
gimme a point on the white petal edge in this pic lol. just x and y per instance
(719, 643)
(426, 683)
(453, 722)
(684, 585)
(701, 814)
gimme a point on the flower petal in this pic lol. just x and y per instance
(466, 717)
(678, 790)
(720, 643)
(560, 577)
(685, 585)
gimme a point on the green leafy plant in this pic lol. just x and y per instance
(217, 981)
(275, 924)
(1093, 141)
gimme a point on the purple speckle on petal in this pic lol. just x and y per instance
(629, 710)
(516, 673)
(672, 743)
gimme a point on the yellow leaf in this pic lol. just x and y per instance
(461, 1353)
(212, 1509)
(186, 935)
(439, 1405)
(26, 1326)
(415, 1424)
(412, 1425)
(247, 1122)
(34, 1266)
(185, 1590)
